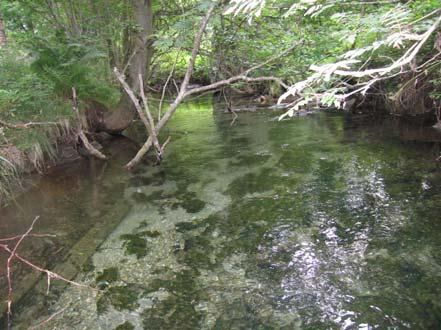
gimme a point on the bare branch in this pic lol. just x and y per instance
(183, 92)
(48, 319)
(81, 135)
(165, 85)
(27, 125)
(14, 255)
(196, 47)
(403, 60)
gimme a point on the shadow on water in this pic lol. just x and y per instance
(78, 205)
(326, 221)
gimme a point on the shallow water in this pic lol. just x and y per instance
(321, 222)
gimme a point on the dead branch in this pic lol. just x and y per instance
(13, 238)
(407, 57)
(181, 95)
(184, 92)
(14, 255)
(48, 319)
(81, 135)
(145, 115)
(27, 125)
(165, 85)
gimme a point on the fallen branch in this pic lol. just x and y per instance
(81, 135)
(48, 319)
(14, 255)
(27, 125)
(165, 86)
(146, 116)
(13, 238)
(184, 92)
(181, 94)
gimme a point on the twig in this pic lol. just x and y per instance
(48, 319)
(183, 92)
(9, 270)
(13, 254)
(145, 115)
(27, 125)
(81, 135)
(408, 56)
(13, 238)
(165, 85)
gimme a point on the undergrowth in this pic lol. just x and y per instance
(35, 86)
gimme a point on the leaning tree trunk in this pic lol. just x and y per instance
(2, 32)
(138, 62)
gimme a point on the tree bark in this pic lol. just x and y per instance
(141, 52)
(3, 40)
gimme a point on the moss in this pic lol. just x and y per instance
(135, 244)
(186, 226)
(109, 275)
(177, 311)
(189, 202)
(156, 195)
(88, 265)
(120, 297)
(193, 205)
(150, 233)
(252, 183)
(125, 326)
(139, 197)
(298, 160)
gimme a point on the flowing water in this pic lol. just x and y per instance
(319, 222)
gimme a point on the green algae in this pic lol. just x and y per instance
(88, 265)
(250, 183)
(120, 297)
(108, 275)
(183, 300)
(125, 326)
(136, 244)
(189, 202)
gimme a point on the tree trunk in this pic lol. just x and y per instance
(2, 32)
(138, 62)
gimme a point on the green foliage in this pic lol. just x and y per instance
(8, 179)
(72, 64)
(26, 97)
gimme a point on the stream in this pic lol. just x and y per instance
(319, 222)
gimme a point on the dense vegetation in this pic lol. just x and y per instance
(382, 53)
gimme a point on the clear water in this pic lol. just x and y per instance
(321, 222)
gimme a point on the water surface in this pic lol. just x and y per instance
(319, 222)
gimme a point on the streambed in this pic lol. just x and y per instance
(319, 222)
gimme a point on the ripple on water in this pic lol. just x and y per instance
(293, 225)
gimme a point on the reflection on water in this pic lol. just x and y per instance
(312, 223)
